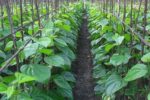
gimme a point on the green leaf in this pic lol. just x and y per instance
(3, 87)
(69, 76)
(9, 46)
(61, 82)
(30, 30)
(148, 27)
(68, 52)
(137, 71)
(40, 72)
(114, 83)
(10, 91)
(46, 51)
(148, 97)
(30, 49)
(22, 78)
(45, 41)
(98, 72)
(18, 34)
(7, 90)
(108, 47)
(118, 39)
(66, 93)
(66, 27)
(41, 94)
(117, 59)
(9, 79)
(54, 60)
(23, 96)
(103, 22)
(60, 42)
(2, 54)
(146, 58)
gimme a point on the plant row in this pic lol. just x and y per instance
(44, 71)
(119, 66)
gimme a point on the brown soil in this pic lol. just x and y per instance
(82, 66)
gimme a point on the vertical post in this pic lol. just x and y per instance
(139, 9)
(32, 10)
(12, 31)
(131, 21)
(144, 22)
(56, 5)
(21, 18)
(119, 7)
(38, 14)
(84, 1)
(124, 14)
(2, 13)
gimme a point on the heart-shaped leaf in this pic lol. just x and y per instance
(54, 60)
(30, 49)
(137, 71)
(117, 59)
(61, 82)
(146, 58)
(38, 71)
(22, 78)
(114, 83)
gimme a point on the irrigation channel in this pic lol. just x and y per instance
(82, 66)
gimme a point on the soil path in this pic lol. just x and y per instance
(82, 66)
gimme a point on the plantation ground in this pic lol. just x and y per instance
(82, 67)
(74, 50)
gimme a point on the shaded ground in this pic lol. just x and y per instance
(82, 67)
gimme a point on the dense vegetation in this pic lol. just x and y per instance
(39, 49)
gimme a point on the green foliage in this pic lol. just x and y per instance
(137, 71)
(146, 58)
(44, 71)
(34, 70)
(55, 60)
(22, 78)
(117, 64)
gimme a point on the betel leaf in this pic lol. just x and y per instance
(68, 52)
(3, 87)
(137, 71)
(38, 71)
(146, 58)
(103, 22)
(118, 39)
(117, 59)
(41, 94)
(108, 47)
(9, 46)
(10, 91)
(9, 79)
(114, 83)
(22, 78)
(99, 71)
(60, 42)
(18, 35)
(66, 27)
(45, 41)
(148, 27)
(65, 93)
(148, 97)
(69, 76)
(24, 96)
(61, 82)
(46, 51)
(99, 88)
(2, 54)
(30, 49)
(54, 60)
